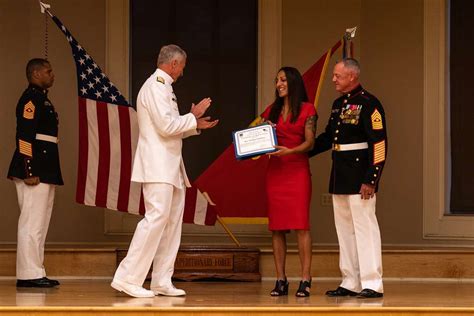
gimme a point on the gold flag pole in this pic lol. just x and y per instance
(221, 221)
(228, 231)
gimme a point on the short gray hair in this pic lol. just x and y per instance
(352, 64)
(169, 52)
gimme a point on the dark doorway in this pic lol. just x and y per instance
(220, 39)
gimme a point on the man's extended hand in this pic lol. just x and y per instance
(32, 181)
(199, 109)
(205, 123)
(367, 191)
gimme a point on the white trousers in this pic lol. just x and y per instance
(156, 238)
(360, 250)
(36, 204)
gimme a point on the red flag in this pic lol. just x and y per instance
(237, 188)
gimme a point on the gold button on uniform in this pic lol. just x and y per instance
(357, 159)
(335, 138)
(337, 131)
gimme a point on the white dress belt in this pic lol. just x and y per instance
(346, 147)
(47, 138)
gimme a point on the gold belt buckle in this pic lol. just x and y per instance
(336, 147)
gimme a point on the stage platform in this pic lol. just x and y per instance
(96, 297)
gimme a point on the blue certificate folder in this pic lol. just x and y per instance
(254, 141)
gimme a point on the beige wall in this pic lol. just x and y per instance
(389, 45)
(392, 58)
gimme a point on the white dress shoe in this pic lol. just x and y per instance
(169, 290)
(131, 289)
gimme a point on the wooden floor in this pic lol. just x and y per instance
(96, 297)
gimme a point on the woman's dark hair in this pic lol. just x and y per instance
(296, 95)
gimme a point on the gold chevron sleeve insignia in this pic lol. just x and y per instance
(29, 111)
(376, 118)
(25, 148)
(379, 152)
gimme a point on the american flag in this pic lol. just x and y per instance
(108, 134)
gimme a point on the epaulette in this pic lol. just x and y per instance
(160, 79)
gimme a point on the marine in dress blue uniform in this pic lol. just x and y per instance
(36, 171)
(357, 135)
(36, 153)
(356, 118)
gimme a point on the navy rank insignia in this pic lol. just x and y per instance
(29, 111)
(160, 79)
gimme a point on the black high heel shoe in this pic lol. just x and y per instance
(281, 288)
(303, 289)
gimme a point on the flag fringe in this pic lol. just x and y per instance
(246, 220)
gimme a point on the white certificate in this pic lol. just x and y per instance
(254, 141)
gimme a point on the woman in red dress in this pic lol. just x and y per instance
(288, 180)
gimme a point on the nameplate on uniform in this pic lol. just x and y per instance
(254, 141)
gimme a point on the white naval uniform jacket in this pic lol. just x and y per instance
(161, 130)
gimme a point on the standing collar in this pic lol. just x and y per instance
(164, 75)
(354, 91)
(38, 88)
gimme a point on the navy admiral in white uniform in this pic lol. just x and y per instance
(36, 172)
(159, 166)
(357, 134)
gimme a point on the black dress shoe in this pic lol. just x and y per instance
(368, 293)
(55, 282)
(340, 291)
(42, 282)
